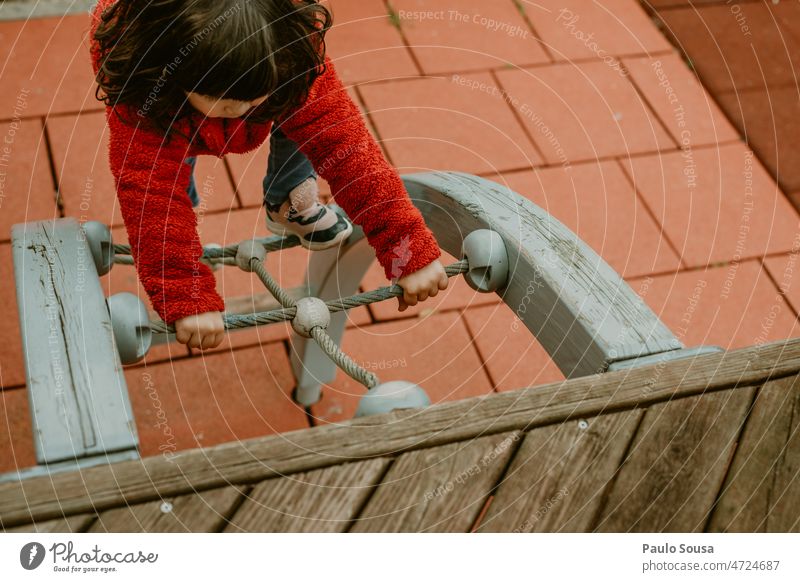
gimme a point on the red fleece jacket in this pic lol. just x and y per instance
(152, 178)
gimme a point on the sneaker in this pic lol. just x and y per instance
(317, 226)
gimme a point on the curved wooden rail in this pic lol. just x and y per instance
(581, 311)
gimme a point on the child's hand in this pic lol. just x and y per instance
(204, 330)
(420, 285)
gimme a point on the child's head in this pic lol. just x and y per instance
(225, 58)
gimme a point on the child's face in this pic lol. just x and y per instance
(213, 107)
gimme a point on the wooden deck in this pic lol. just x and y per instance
(706, 444)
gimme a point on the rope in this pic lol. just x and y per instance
(325, 341)
(233, 321)
(342, 360)
(216, 254)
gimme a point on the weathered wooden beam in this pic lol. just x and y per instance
(253, 460)
(77, 394)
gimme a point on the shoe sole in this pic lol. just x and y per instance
(280, 230)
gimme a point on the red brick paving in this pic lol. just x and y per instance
(16, 434)
(690, 115)
(732, 306)
(12, 364)
(599, 203)
(46, 67)
(450, 36)
(747, 54)
(728, 56)
(583, 111)
(435, 352)
(715, 204)
(576, 29)
(770, 121)
(581, 126)
(26, 186)
(460, 122)
(512, 356)
(365, 44)
(217, 398)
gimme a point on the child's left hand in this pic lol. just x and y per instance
(419, 285)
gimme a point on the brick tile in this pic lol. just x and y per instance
(435, 352)
(46, 67)
(464, 35)
(453, 123)
(687, 111)
(785, 273)
(729, 57)
(715, 204)
(458, 295)
(16, 435)
(80, 156)
(26, 186)
(679, 3)
(219, 398)
(576, 29)
(513, 357)
(732, 306)
(580, 112)
(598, 203)
(365, 45)
(770, 122)
(248, 173)
(12, 363)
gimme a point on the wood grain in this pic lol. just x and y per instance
(206, 511)
(72, 524)
(440, 489)
(557, 480)
(580, 310)
(762, 491)
(677, 464)
(254, 460)
(317, 501)
(76, 389)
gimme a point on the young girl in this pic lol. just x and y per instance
(182, 78)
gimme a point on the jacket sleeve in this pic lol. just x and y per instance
(329, 129)
(151, 179)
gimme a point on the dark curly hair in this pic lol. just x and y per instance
(155, 51)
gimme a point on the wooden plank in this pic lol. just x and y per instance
(677, 464)
(440, 489)
(77, 393)
(206, 511)
(581, 311)
(762, 491)
(253, 460)
(557, 479)
(318, 501)
(71, 524)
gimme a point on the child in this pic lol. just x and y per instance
(182, 78)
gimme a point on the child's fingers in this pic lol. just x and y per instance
(422, 295)
(409, 298)
(182, 335)
(433, 291)
(194, 341)
(443, 281)
(401, 305)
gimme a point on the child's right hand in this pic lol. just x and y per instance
(204, 330)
